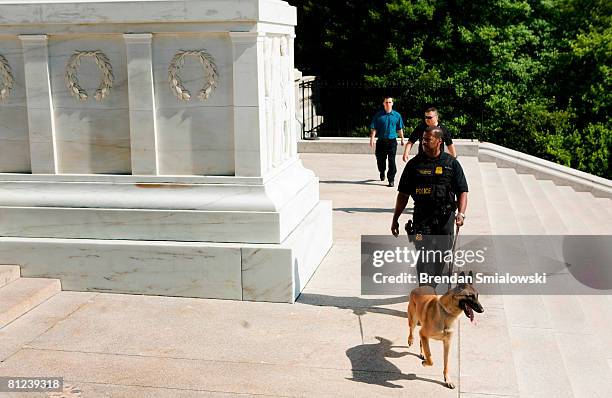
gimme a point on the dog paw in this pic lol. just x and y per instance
(425, 363)
(410, 341)
(450, 385)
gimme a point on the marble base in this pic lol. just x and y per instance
(256, 272)
(262, 213)
(265, 274)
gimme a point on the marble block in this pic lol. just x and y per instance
(136, 11)
(93, 137)
(237, 271)
(194, 137)
(177, 225)
(143, 123)
(148, 147)
(166, 268)
(264, 213)
(42, 140)
(14, 132)
(265, 274)
(147, 124)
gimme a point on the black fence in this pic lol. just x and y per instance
(345, 108)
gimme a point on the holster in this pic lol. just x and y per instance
(409, 227)
(416, 231)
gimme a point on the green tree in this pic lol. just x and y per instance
(531, 75)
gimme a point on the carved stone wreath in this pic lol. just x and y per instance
(106, 71)
(6, 79)
(210, 74)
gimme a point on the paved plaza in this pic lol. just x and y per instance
(335, 342)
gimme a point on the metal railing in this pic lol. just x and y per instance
(310, 120)
(345, 108)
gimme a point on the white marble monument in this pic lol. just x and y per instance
(149, 147)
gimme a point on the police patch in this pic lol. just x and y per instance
(424, 171)
(439, 170)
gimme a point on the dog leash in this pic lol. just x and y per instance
(452, 262)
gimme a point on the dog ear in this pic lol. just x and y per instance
(461, 285)
(471, 275)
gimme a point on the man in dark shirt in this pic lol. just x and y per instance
(436, 182)
(431, 120)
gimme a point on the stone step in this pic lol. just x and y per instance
(573, 326)
(584, 215)
(599, 220)
(599, 317)
(481, 346)
(596, 307)
(530, 224)
(538, 362)
(564, 202)
(23, 294)
(500, 215)
(8, 273)
(586, 355)
(572, 315)
(528, 310)
(525, 213)
(490, 355)
(605, 204)
(34, 323)
(548, 215)
(477, 221)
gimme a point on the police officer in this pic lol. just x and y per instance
(436, 182)
(430, 119)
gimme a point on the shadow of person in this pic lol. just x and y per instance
(369, 364)
(352, 210)
(359, 305)
(360, 182)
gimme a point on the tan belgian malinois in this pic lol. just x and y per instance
(436, 316)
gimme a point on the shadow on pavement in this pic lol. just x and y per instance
(360, 182)
(383, 372)
(369, 210)
(360, 306)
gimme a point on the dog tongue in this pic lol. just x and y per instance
(471, 315)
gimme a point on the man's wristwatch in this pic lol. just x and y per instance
(462, 215)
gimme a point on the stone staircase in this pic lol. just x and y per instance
(560, 345)
(524, 346)
(20, 295)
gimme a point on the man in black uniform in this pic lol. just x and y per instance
(436, 182)
(430, 119)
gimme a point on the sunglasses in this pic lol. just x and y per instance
(429, 117)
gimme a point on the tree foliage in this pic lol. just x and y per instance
(532, 75)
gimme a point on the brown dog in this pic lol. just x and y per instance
(436, 315)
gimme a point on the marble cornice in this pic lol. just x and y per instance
(133, 11)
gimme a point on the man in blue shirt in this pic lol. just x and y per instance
(385, 126)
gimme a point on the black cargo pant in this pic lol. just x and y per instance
(437, 241)
(386, 150)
